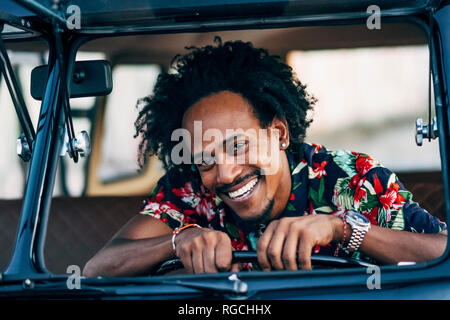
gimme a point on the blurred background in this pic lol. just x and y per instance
(368, 100)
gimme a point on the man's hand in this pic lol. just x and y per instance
(288, 242)
(204, 250)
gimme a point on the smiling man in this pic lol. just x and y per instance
(244, 179)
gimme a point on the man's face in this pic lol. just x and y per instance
(237, 159)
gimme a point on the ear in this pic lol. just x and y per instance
(283, 130)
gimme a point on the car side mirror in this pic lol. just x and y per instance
(90, 78)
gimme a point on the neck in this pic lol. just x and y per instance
(284, 189)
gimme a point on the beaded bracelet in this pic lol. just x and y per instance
(341, 244)
(178, 230)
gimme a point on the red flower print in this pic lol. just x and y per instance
(166, 206)
(318, 147)
(206, 207)
(394, 186)
(391, 199)
(160, 195)
(292, 197)
(399, 199)
(372, 215)
(354, 181)
(203, 202)
(239, 244)
(310, 210)
(363, 164)
(185, 191)
(318, 247)
(388, 199)
(320, 169)
(357, 181)
(188, 220)
(221, 217)
(158, 208)
(188, 212)
(377, 185)
(359, 193)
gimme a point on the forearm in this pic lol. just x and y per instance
(125, 257)
(392, 246)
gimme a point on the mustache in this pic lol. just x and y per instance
(225, 187)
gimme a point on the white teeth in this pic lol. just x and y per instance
(244, 190)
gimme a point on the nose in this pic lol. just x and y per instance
(226, 174)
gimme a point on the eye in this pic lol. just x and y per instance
(239, 147)
(207, 163)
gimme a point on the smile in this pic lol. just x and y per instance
(244, 191)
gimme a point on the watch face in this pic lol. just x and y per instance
(358, 218)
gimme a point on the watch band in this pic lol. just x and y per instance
(356, 239)
(360, 225)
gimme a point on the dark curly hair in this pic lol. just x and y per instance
(264, 80)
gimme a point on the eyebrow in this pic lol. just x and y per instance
(199, 155)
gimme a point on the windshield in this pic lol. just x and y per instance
(360, 107)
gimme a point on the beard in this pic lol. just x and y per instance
(248, 225)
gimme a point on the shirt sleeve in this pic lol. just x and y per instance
(396, 208)
(174, 202)
(160, 205)
(367, 187)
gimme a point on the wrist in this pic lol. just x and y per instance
(179, 230)
(342, 230)
(360, 225)
(348, 234)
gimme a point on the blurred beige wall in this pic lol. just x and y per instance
(368, 100)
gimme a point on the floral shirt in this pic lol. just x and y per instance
(323, 182)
